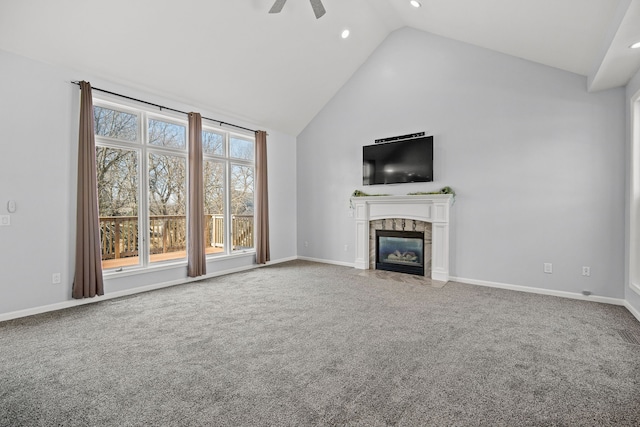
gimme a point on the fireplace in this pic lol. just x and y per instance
(380, 212)
(401, 251)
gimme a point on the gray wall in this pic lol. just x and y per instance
(536, 161)
(38, 133)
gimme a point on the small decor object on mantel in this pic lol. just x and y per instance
(443, 190)
(358, 193)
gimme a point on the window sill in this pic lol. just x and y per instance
(134, 271)
(237, 254)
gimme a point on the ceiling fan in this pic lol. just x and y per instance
(317, 6)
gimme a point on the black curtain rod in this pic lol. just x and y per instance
(161, 107)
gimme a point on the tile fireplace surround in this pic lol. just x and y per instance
(433, 208)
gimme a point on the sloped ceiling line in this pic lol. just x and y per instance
(279, 70)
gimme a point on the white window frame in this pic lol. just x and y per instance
(142, 148)
(228, 162)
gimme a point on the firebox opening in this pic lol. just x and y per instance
(400, 251)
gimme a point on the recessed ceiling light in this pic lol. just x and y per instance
(345, 34)
(415, 3)
(636, 45)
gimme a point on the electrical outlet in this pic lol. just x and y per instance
(306, 244)
(5, 220)
(346, 248)
(586, 271)
(548, 267)
(55, 278)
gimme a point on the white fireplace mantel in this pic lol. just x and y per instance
(433, 208)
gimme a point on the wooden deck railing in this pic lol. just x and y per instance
(241, 230)
(168, 233)
(119, 237)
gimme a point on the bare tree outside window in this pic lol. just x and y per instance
(117, 172)
(242, 190)
(213, 143)
(115, 124)
(117, 181)
(241, 148)
(167, 189)
(242, 200)
(116, 169)
(166, 134)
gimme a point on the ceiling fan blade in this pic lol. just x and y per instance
(277, 6)
(318, 8)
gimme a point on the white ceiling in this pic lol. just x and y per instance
(278, 70)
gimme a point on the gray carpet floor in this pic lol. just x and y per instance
(301, 343)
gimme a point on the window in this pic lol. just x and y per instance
(167, 189)
(228, 191)
(118, 176)
(142, 163)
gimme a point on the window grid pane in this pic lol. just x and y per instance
(241, 148)
(165, 134)
(117, 173)
(167, 207)
(213, 175)
(115, 124)
(242, 200)
(212, 143)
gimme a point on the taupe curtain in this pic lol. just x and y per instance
(196, 254)
(262, 202)
(87, 281)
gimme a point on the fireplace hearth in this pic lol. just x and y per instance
(400, 251)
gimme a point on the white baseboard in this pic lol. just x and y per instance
(327, 261)
(562, 294)
(111, 295)
(279, 261)
(50, 307)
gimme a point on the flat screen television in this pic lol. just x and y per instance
(409, 160)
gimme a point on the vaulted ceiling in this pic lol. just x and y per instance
(278, 70)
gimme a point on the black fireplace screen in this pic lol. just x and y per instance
(401, 251)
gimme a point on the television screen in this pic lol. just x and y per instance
(410, 160)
